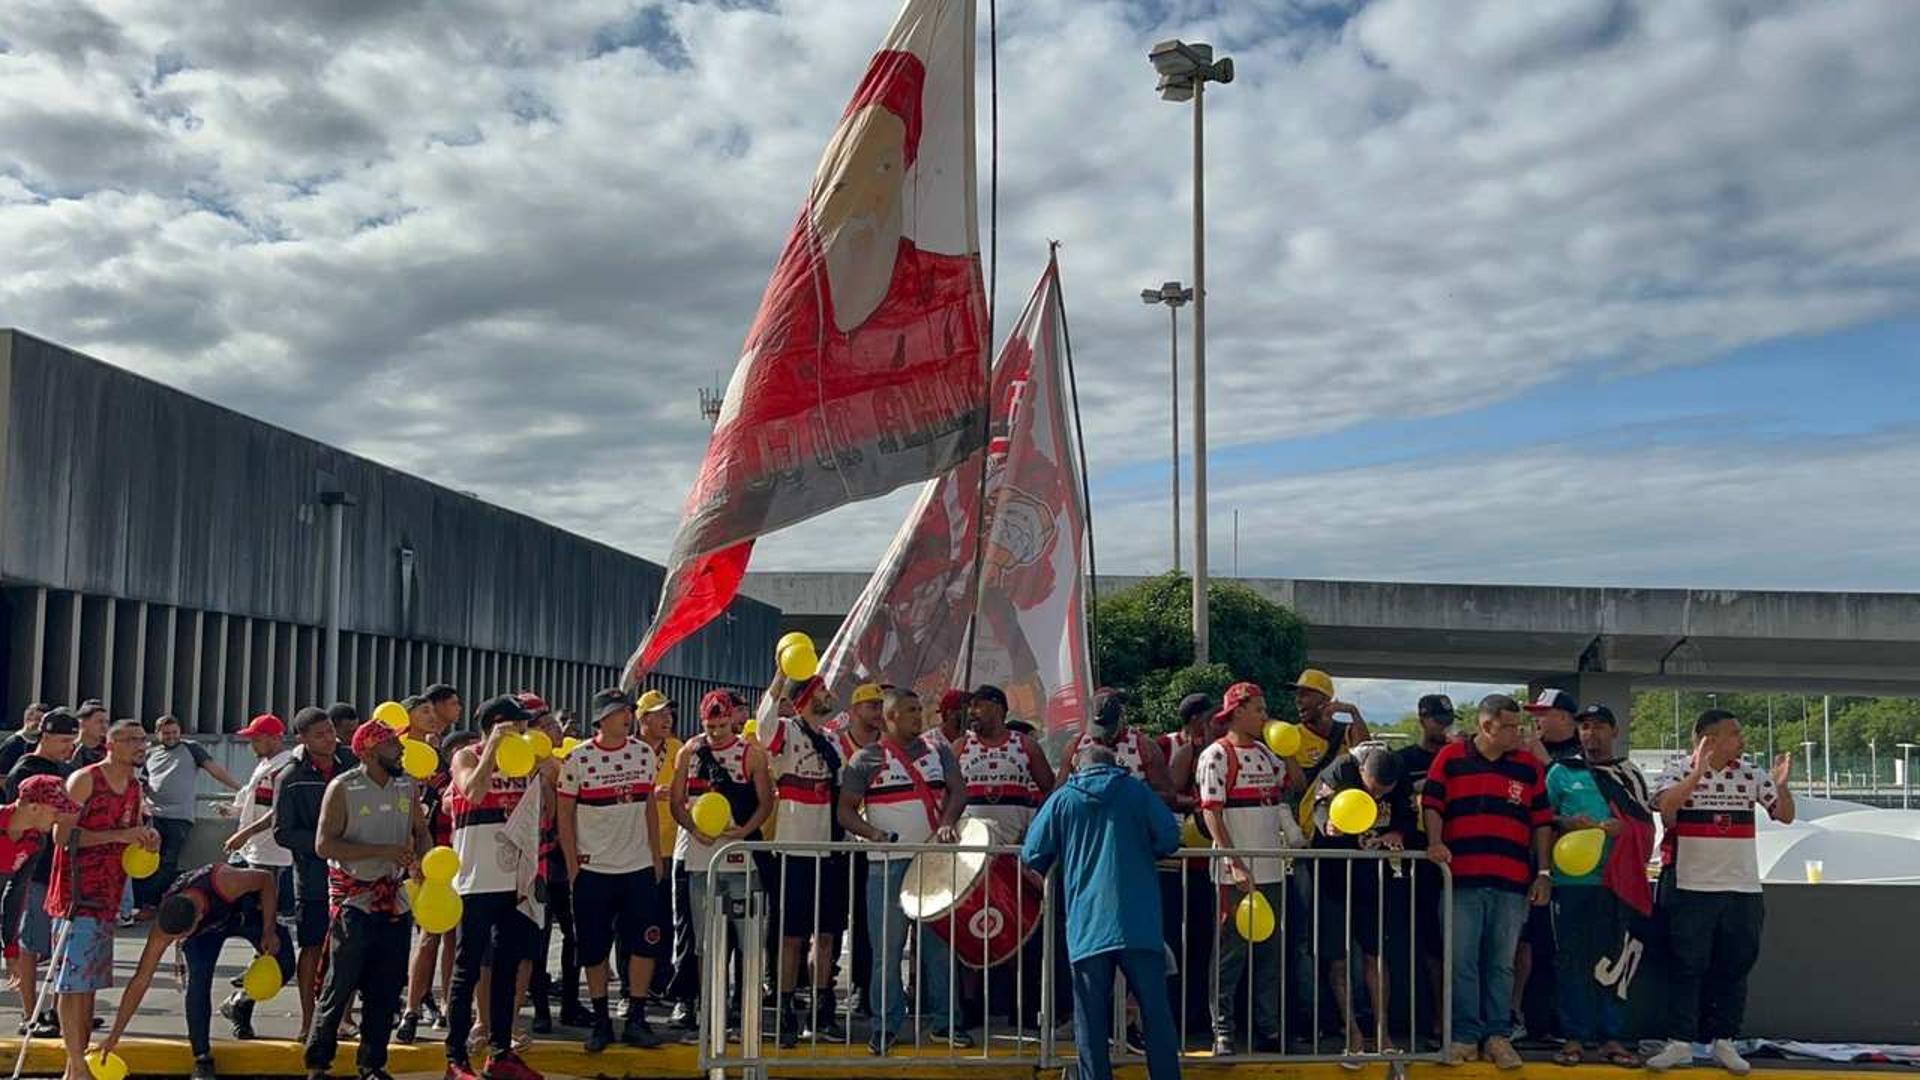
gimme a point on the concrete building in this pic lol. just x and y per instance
(169, 555)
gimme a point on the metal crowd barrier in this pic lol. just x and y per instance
(1314, 909)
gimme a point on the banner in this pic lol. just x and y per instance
(863, 370)
(909, 626)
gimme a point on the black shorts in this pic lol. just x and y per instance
(1338, 902)
(795, 877)
(310, 914)
(609, 905)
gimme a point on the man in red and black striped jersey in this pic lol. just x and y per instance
(1487, 817)
(1714, 910)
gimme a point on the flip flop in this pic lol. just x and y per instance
(1621, 1056)
(1570, 1054)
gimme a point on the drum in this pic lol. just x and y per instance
(984, 906)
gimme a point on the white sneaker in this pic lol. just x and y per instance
(1729, 1058)
(1670, 1055)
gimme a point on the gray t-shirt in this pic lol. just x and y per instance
(172, 775)
(902, 789)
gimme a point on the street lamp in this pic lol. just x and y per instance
(1171, 294)
(1906, 774)
(1185, 70)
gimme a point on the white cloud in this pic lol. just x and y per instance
(487, 243)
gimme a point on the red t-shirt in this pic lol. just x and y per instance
(15, 854)
(1488, 810)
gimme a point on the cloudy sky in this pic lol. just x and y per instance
(1581, 291)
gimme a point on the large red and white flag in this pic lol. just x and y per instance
(909, 626)
(864, 368)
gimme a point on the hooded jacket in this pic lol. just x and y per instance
(1105, 829)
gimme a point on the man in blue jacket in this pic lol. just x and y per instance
(1105, 829)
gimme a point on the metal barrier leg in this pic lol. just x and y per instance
(753, 936)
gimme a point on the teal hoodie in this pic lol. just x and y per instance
(1105, 829)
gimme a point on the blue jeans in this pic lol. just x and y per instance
(1486, 931)
(887, 930)
(1093, 1011)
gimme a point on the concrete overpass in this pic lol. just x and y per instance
(1600, 643)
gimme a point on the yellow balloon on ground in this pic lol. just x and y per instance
(417, 759)
(439, 865)
(514, 756)
(391, 713)
(542, 744)
(436, 907)
(1577, 854)
(712, 813)
(790, 639)
(139, 862)
(1353, 811)
(1253, 917)
(262, 979)
(1191, 836)
(106, 1066)
(1283, 738)
(799, 662)
(567, 746)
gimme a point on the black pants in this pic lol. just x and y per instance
(487, 919)
(173, 838)
(861, 976)
(367, 954)
(684, 986)
(202, 952)
(1714, 939)
(559, 917)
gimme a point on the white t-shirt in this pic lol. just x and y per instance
(613, 817)
(697, 856)
(254, 801)
(803, 784)
(1710, 845)
(1128, 752)
(1248, 785)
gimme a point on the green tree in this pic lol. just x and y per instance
(1144, 642)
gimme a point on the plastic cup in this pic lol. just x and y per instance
(1816, 871)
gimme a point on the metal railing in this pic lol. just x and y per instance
(1347, 940)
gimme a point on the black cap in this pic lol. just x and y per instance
(504, 709)
(59, 722)
(1597, 711)
(1109, 714)
(1553, 698)
(413, 701)
(1437, 707)
(608, 701)
(1195, 705)
(989, 692)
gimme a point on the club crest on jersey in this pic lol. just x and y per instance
(1516, 792)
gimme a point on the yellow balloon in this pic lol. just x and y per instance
(514, 756)
(262, 979)
(567, 746)
(436, 907)
(106, 1066)
(712, 813)
(790, 639)
(417, 758)
(751, 729)
(542, 744)
(1577, 854)
(1283, 738)
(799, 662)
(1353, 811)
(391, 713)
(439, 865)
(1191, 836)
(1253, 917)
(139, 862)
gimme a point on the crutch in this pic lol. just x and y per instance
(40, 999)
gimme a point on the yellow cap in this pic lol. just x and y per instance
(651, 701)
(1313, 679)
(866, 692)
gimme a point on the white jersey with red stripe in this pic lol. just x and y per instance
(611, 788)
(255, 801)
(1247, 785)
(697, 856)
(803, 782)
(1129, 752)
(476, 833)
(999, 779)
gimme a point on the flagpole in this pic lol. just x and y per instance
(987, 347)
(1086, 489)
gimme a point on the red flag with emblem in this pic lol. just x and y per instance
(863, 370)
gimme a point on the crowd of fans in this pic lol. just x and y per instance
(599, 844)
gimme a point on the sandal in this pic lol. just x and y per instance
(1570, 1053)
(1615, 1054)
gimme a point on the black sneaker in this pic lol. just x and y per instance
(374, 1074)
(542, 1020)
(408, 1029)
(1136, 1042)
(880, 1042)
(637, 1031)
(574, 1014)
(242, 1016)
(203, 1069)
(682, 1017)
(600, 1036)
(1222, 1046)
(430, 1012)
(826, 1028)
(46, 1027)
